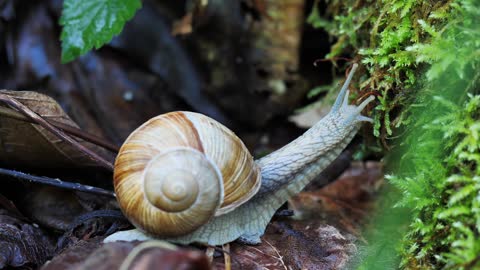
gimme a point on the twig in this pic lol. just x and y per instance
(57, 183)
(12, 102)
(68, 129)
(226, 256)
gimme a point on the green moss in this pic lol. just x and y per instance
(422, 57)
(440, 183)
(439, 172)
(380, 33)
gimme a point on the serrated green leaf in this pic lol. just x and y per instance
(89, 24)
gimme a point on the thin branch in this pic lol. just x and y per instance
(12, 102)
(10, 113)
(56, 183)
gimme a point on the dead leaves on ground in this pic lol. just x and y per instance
(294, 245)
(325, 238)
(27, 144)
(21, 243)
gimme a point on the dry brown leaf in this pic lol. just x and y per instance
(294, 245)
(352, 195)
(26, 144)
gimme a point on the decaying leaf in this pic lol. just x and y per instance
(52, 207)
(21, 244)
(297, 245)
(350, 197)
(30, 145)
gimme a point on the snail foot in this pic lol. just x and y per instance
(250, 239)
(129, 236)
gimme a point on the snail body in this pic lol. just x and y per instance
(241, 195)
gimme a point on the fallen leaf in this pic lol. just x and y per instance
(7, 11)
(122, 97)
(345, 203)
(153, 49)
(22, 244)
(52, 207)
(30, 145)
(294, 245)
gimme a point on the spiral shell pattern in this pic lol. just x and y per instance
(178, 170)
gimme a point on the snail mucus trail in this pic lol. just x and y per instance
(237, 209)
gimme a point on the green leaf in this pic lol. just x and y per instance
(90, 24)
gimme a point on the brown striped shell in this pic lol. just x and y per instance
(178, 170)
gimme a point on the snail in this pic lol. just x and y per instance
(184, 177)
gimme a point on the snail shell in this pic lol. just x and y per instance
(180, 169)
